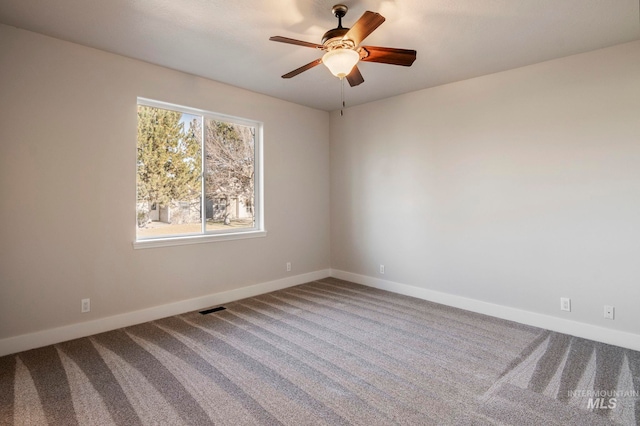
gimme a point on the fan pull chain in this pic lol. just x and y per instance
(342, 96)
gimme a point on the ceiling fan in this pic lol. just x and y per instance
(343, 50)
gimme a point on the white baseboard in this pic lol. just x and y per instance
(547, 322)
(61, 334)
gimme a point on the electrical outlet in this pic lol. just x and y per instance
(288, 266)
(608, 312)
(565, 304)
(85, 305)
(382, 269)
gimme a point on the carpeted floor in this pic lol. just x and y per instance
(326, 352)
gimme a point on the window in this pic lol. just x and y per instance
(198, 176)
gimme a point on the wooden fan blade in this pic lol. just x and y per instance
(364, 26)
(303, 68)
(296, 42)
(387, 55)
(354, 78)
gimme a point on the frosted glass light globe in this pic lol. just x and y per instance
(340, 61)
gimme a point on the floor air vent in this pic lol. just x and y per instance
(209, 311)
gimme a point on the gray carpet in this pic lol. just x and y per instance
(327, 352)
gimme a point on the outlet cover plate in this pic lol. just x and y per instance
(608, 312)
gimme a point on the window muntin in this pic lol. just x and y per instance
(189, 159)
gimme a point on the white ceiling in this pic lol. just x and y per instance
(228, 41)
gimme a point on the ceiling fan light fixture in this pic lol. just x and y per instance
(341, 61)
(344, 50)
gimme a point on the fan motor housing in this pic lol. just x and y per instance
(334, 33)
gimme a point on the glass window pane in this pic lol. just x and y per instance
(169, 183)
(229, 175)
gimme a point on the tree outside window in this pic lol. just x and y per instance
(186, 161)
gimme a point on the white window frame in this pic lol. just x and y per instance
(258, 229)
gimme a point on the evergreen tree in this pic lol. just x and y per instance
(169, 158)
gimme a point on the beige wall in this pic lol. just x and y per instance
(67, 188)
(515, 189)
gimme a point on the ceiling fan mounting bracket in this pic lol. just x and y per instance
(339, 10)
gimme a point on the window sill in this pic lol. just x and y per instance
(196, 239)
